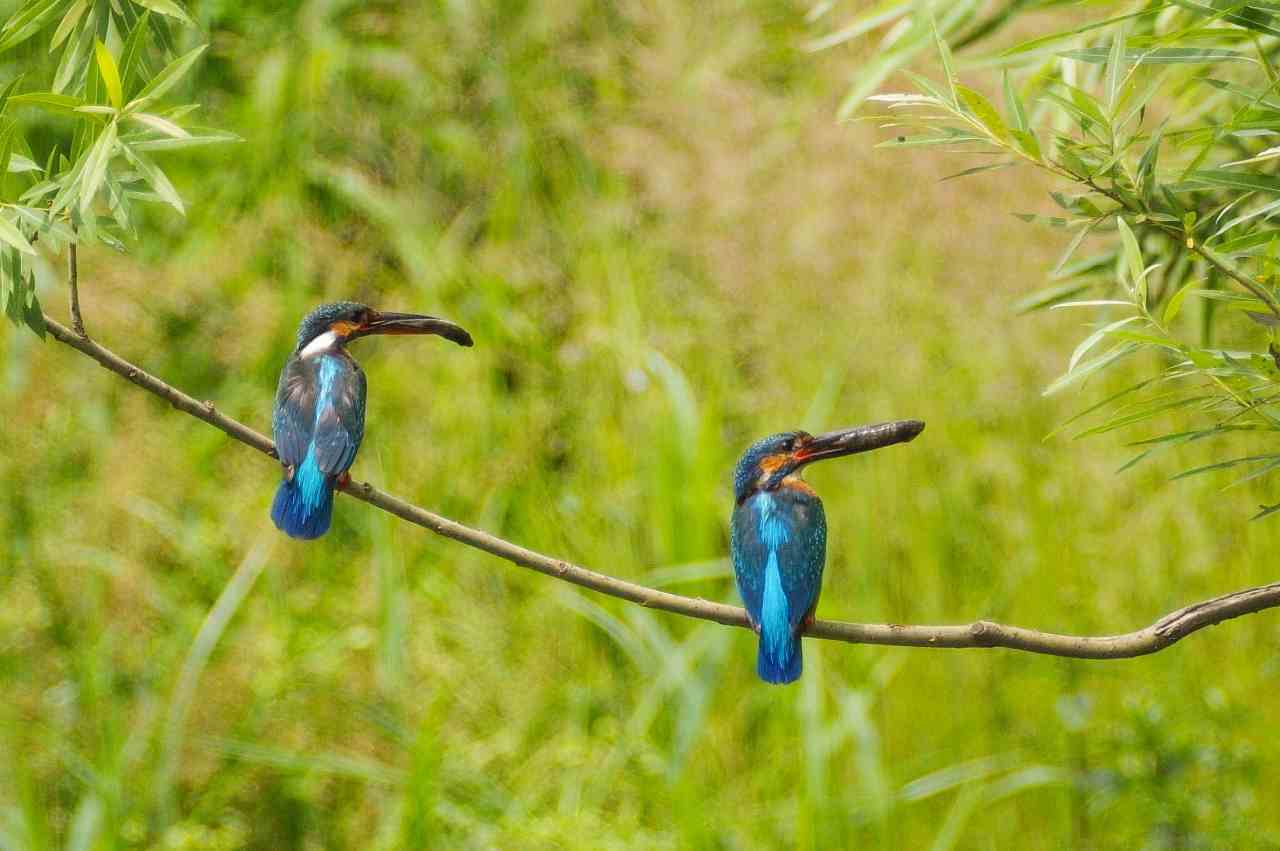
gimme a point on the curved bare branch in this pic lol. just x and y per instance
(1158, 636)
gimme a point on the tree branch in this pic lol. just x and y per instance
(1158, 636)
(73, 283)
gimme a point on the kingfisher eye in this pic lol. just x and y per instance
(789, 444)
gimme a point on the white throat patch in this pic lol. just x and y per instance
(326, 342)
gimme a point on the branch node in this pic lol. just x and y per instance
(984, 632)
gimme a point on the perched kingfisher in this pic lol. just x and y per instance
(318, 420)
(778, 537)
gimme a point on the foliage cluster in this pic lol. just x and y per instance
(1158, 122)
(104, 118)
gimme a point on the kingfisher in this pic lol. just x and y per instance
(778, 535)
(318, 421)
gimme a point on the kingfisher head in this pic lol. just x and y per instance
(331, 326)
(767, 463)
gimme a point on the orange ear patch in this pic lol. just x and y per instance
(343, 328)
(770, 463)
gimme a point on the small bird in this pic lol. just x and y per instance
(778, 536)
(318, 420)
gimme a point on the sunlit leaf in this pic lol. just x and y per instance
(1160, 56)
(1093, 339)
(1174, 304)
(1132, 253)
(982, 109)
(95, 169)
(1235, 180)
(168, 77)
(69, 21)
(110, 74)
(155, 178)
(48, 100)
(27, 22)
(162, 125)
(165, 7)
(11, 236)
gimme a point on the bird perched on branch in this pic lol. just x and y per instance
(318, 420)
(778, 537)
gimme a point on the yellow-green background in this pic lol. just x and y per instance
(665, 247)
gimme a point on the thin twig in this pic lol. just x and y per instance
(1158, 636)
(73, 281)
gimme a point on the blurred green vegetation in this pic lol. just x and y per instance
(665, 246)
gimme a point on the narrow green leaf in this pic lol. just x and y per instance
(10, 235)
(944, 54)
(1090, 367)
(69, 21)
(1249, 21)
(168, 77)
(1087, 104)
(1028, 143)
(1048, 296)
(1234, 180)
(95, 169)
(1264, 210)
(986, 114)
(1160, 56)
(1046, 40)
(875, 17)
(6, 148)
(133, 56)
(1013, 105)
(155, 178)
(1132, 253)
(1072, 246)
(161, 125)
(8, 92)
(1093, 339)
(1147, 165)
(34, 316)
(165, 7)
(1115, 67)
(1174, 304)
(110, 74)
(978, 169)
(27, 22)
(72, 65)
(48, 100)
(192, 141)
(1223, 465)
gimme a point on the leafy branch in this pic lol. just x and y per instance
(119, 62)
(1152, 120)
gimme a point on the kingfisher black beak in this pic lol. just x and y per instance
(849, 441)
(415, 323)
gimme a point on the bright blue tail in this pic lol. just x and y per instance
(782, 663)
(304, 504)
(778, 660)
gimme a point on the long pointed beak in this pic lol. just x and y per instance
(416, 323)
(849, 441)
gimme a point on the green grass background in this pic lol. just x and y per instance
(665, 247)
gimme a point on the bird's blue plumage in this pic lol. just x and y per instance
(778, 541)
(318, 425)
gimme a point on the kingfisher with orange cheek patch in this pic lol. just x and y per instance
(318, 420)
(778, 536)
